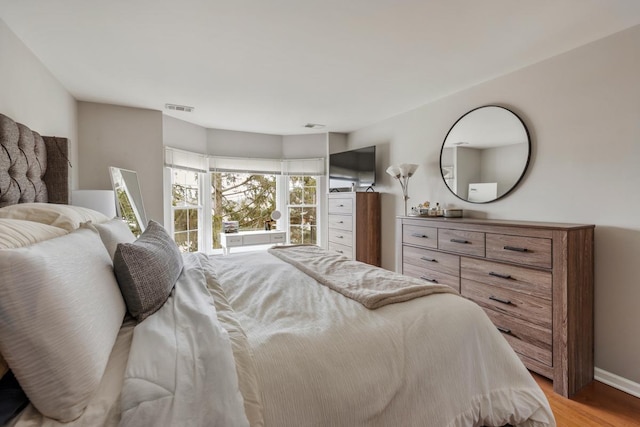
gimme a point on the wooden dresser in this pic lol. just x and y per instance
(534, 280)
(354, 225)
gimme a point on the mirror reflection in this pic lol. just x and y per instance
(129, 198)
(485, 154)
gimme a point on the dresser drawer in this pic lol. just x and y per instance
(464, 242)
(278, 237)
(340, 206)
(522, 306)
(431, 276)
(232, 240)
(529, 281)
(257, 239)
(342, 222)
(531, 251)
(422, 236)
(341, 237)
(526, 338)
(433, 260)
(342, 249)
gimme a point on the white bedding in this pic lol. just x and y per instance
(324, 360)
(266, 345)
(181, 369)
(104, 406)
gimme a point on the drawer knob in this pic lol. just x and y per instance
(500, 300)
(502, 276)
(422, 236)
(504, 330)
(459, 241)
(515, 249)
(340, 222)
(340, 237)
(424, 258)
(428, 279)
(341, 206)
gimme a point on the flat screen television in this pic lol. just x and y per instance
(352, 168)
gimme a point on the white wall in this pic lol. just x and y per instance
(229, 143)
(304, 146)
(29, 94)
(177, 133)
(129, 138)
(582, 109)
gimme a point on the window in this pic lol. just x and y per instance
(186, 207)
(302, 208)
(248, 198)
(203, 191)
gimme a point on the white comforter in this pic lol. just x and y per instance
(181, 369)
(324, 360)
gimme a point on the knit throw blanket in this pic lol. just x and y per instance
(371, 286)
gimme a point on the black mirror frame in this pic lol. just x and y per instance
(524, 170)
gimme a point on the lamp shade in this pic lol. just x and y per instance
(103, 201)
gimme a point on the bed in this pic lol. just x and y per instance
(98, 327)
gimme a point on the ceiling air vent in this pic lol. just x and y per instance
(314, 126)
(175, 107)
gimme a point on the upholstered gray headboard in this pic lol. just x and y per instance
(32, 168)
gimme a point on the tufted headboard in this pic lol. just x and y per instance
(32, 168)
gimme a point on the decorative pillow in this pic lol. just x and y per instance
(113, 232)
(60, 312)
(16, 233)
(147, 270)
(62, 216)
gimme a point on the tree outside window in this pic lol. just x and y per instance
(248, 198)
(186, 207)
(302, 209)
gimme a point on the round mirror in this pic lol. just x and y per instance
(485, 154)
(275, 215)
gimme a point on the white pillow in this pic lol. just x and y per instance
(62, 216)
(16, 233)
(60, 312)
(113, 232)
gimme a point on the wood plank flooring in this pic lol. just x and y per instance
(596, 405)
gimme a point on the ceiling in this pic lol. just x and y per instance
(272, 66)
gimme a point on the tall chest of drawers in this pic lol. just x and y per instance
(354, 225)
(534, 280)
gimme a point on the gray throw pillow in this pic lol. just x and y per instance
(147, 270)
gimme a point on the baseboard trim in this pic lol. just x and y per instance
(617, 381)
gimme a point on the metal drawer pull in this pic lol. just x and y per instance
(341, 206)
(340, 222)
(340, 252)
(459, 241)
(423, 236)
(428, 279)
(340, 237)
(502, 276)
(503, 301)
(424, 258)
(504, 330)
(515, 249)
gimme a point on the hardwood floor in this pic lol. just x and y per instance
(596, 405)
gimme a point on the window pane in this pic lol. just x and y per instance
(180, 220)
(243, 197)
(184, 189)
(303, 209)
(295, 216)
